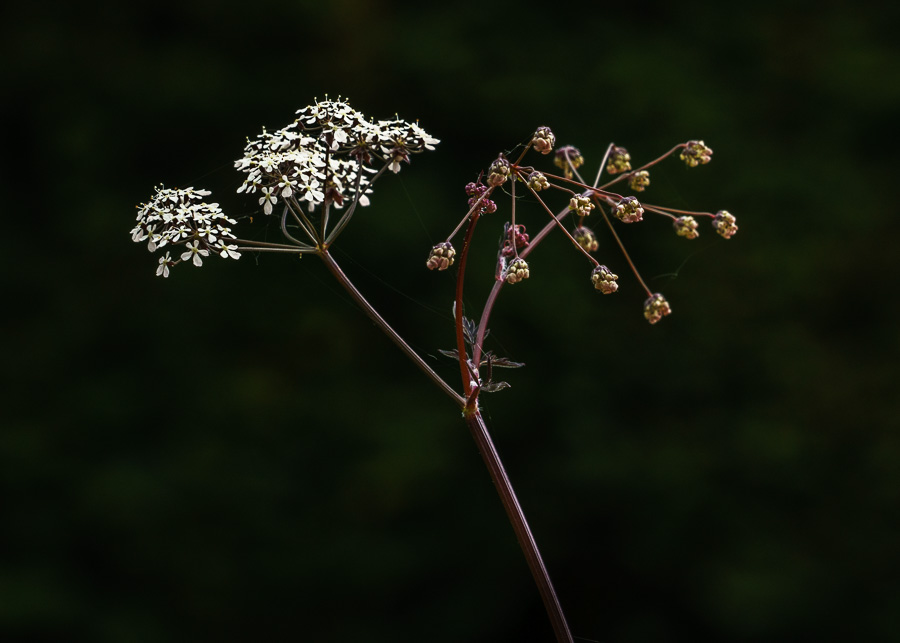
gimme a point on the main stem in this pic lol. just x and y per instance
(520, 525)
(488, 451)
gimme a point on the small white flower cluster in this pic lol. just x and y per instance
(181, 217)
(324, 155)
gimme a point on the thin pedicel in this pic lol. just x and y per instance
(318, 169)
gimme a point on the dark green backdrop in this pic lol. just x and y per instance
(235, 453)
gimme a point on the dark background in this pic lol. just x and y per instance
(236, 453)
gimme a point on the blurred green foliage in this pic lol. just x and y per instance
(236, 453)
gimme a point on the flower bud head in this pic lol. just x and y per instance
(581, 205)
(514, 240)
(441, 256)
(537, 181)
(696, 153)
(568, 158)
(619, 160)
(475, 190)
(517, 271)
(499, 172)
(686, 227)
(656, 307)
(604, 280)
(725, 224)
(586, 238)
(629, 210)
(543, 140)
(638, 181)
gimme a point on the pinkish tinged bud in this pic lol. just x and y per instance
(585, 238)
(543, 140)
(519, 237)
(619, 160)
(629, 210)
(638, 181)
(475, 191)
(517, 271)
(725, 224)
(686, 227)
(581, 205)
(537, 181)
(441, 256)
(604, 280)
(656, 307)
(498, 172)
(568, 158)
(696, 153)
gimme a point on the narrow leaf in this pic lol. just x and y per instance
(493, 387)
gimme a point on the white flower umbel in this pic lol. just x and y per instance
(326, 153)
(325, 161)
(182, 217)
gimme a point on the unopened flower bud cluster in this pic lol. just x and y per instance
(515, 239)
(619, 160)
(543, 140)
(498, 173)
(568, 158)
(639, 181)
(517, 271)
(537, 181)
(656, 307)
(581, 205)
(475, 192)
(441, 256)
(696, 153)
(629, 210)
(512, 269)
(604, 280)
(686, 227)
(586, 238)
(725, 224)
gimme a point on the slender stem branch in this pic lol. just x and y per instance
(512, 216)
(485, 316)
(475, 206)
(458, 312)
(388, 330)
(266, 244)
(326, 206)
(498, 284)
(650, 208)
(659, 208)
(625, 252)
(288, 250)
(287, 234)
(345, 218)
(326, 209)
(516, 516)
(572, 167)
(644, 166)
(603, 164)
(303, 220)
(556, 221)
